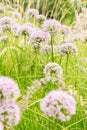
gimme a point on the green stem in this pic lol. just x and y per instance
(60, 60)
(52, 49)
(67, 59)
(24, 39)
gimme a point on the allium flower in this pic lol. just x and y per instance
(9, 113)
(53, 70)
(8, 88)
(6, 27)
(6, 20)
(1, 126)
(40, 18)
(66, 30)
(68, 48)
(38, 37)
(52, 26)
(26, 30)
(16, 15)
(4, 39)
(16, 29)
(31, 13)
(59, 105)
(46, 49)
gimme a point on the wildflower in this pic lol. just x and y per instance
(26, 30)
(6, 20)
(9, 113)
(52, 26)
(16, 15)
(46, 49)
(59, 105)
(68, 48)
(53, 70)
(39, 37)
(32, 13)
(16, 29)
(8, 88)
(40, 18)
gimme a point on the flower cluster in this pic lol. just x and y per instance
(46, 49)
(6, 23)
(53, 70)
(40, 18)
(9, 110)
(9, 113)
(32, 13)
(59, 105)
(38, 37)
(26, 29)
(68, 48)
(52, 26)
(16, 15)
(16, 30)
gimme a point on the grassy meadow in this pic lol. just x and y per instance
(25, 65)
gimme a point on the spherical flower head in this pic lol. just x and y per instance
(52, 26)
(68, 48)
(66, 30)
(4, 38)
(16, 30)
(8, 88)
(40, 18)
(1, 126)
(26, 30)
(32, 13)
(39, 37)
(16, 15)
(46, 49)
(6, 20)
(6, 27)
(59, 105)
(53, 70)
(9, 113)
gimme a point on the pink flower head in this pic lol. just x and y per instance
(59, 105)
(52, 26)
(8, 88)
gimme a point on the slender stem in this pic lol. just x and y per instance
(67, 59)
(60, 60)
(24, 39)
(52, 49)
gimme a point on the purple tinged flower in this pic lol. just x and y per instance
(8, 88)
(46, 49)
(52, 26)
(32, 13)
(9, 113)
(16, 15)
(6, 20)
(53, 70)
(40, 18)
(59, 105)
(16, 29)
(26, 29)
(68, 48)
(6, 27)
(39, 37)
